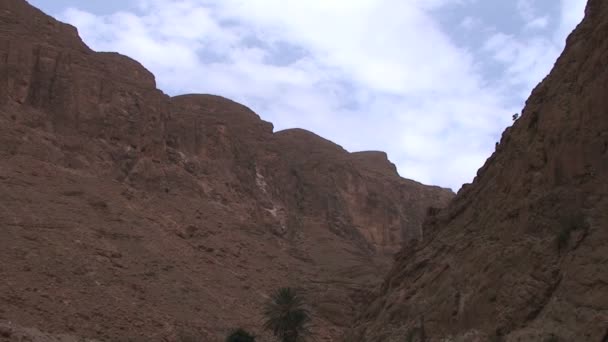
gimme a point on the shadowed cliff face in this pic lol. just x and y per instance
(129, 215)
(520, 254)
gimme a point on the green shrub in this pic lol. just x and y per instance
(286, 315)
(240, 335)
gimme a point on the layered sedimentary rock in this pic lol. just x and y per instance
(126, 214)
(520, 254)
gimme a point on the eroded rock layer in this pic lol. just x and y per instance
(127, 215)
(521, 254)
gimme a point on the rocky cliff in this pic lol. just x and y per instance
(128, 215)
(521, 254)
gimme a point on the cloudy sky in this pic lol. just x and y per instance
(431, 82)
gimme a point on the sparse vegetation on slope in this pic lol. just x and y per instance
(286, 315)
(240, 335)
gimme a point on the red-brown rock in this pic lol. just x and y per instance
(520, 254)
(127, 215)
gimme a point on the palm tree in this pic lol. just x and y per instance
(286, 315)
(240, 335)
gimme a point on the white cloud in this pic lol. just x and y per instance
(528, 12)
(526, 9)
(529, 56)
(538, 23)
(367, 74)
(571, 13)
(470, 23)
(525, 60)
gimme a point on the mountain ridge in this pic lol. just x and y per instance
(126, 214)
(519, 254)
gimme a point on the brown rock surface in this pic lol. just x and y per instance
(522, 253)
(127, 215)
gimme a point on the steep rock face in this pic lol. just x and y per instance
(129, 215)
(520, 254)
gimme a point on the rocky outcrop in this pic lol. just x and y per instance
(520, 254)
(126, 214)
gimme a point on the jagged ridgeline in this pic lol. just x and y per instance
(129, 215)
(520, 254)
